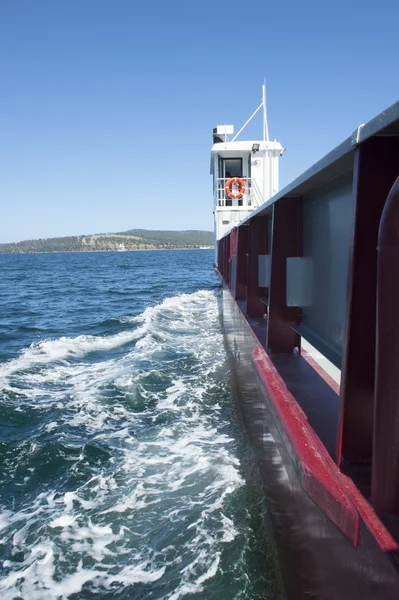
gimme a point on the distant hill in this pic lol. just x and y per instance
(133, 239)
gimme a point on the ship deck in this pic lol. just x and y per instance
(320, 403)
(318, 400)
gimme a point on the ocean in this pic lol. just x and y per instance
(124, 469)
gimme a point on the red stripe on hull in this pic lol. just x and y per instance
(319, 475)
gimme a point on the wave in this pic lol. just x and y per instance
(65, 348)
(155, 506)
(177, 315)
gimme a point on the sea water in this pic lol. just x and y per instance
(124, 470)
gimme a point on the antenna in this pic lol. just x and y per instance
(265, 126)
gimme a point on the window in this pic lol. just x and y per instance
(232, 167)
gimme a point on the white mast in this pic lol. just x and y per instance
(265, 126)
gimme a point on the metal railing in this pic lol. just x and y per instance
(252, 196)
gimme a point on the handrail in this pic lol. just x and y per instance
(251, 198)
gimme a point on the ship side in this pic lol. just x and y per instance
(318, 390)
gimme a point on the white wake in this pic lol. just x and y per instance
(159, 494)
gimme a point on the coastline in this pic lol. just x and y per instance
(105, 251)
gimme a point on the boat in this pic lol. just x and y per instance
(310, 315)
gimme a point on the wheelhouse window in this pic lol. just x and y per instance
(232, 167)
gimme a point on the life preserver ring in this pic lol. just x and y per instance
(235, 192)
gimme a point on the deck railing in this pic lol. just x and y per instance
(252, 196)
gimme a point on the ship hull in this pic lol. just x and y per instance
(326, 551)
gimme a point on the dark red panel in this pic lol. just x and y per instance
(226, 258)
(257, 246)
(233, 259)
(375, 169)
(220, 257)
(242, 261)
(286, 242)
(233, 242)
(385, 466)
(222, 262)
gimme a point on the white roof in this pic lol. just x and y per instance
(244, 146)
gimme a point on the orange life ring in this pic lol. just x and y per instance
(237, 193)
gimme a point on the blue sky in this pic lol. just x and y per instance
(107, 107)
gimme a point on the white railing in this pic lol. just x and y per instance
(251, 198)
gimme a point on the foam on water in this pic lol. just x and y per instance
(64, 349)
(148, 465)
